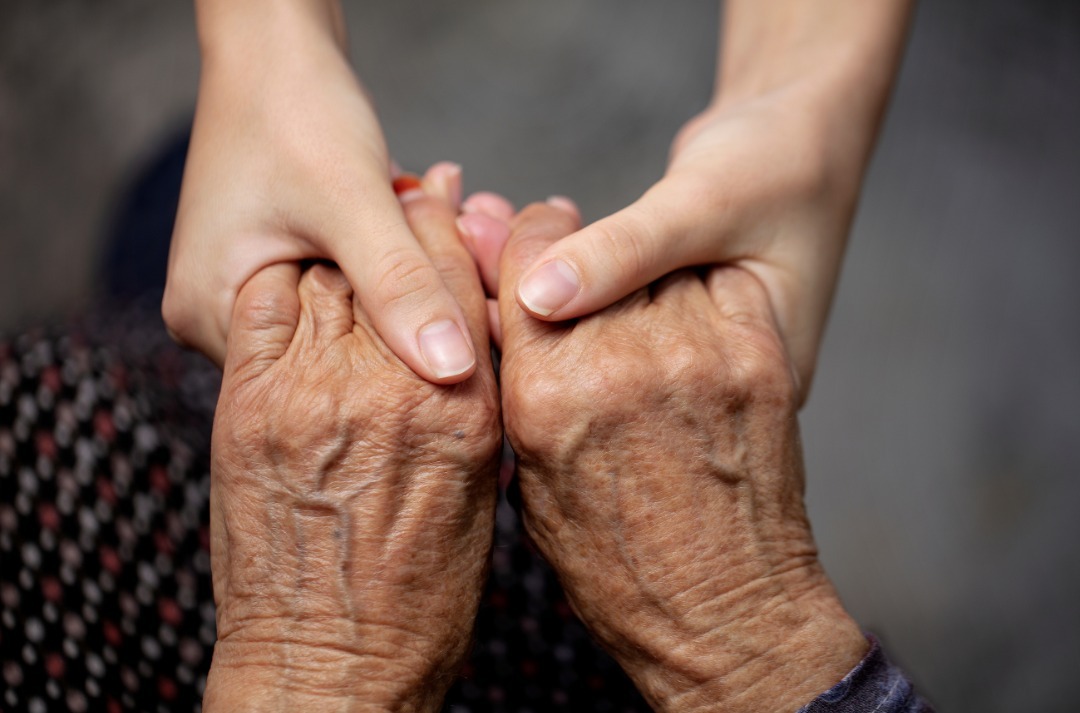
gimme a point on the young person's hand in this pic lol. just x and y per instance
(288, 162)
(766, 179)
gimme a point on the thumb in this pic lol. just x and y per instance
(400, 289)
(533, 231)
(608, 260)
(265, 315)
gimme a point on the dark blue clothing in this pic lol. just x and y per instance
(874, 686)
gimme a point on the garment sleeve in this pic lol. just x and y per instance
(875, 685)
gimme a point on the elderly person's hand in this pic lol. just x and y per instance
(661, 476)
(352, 503)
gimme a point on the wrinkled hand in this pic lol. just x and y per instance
(661, 476)
(288, 162)
(352, 503)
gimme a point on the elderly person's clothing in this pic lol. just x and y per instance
(105, 592)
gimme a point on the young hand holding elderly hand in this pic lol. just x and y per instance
(352, 505)
(652, 408)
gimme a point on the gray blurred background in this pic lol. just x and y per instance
(942, 434)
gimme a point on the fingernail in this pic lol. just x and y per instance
(408, 188)
(549, 287)
(406, 182)
(564, 204)
(481, 228)
(490, 204)
(445, 349)
(445, 182)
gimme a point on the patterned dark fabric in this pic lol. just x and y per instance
(105, 585)
(105, 595)
(105, 592)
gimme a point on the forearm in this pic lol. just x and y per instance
(243, 27)
(835, 58)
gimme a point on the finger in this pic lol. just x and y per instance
(565, 204)
(739, 296)
(742, 302)
(679, 288)
(443, 180)
(494, 325)
(484, 237)
(491, 204)
(401, 291)
(325, 307)
(613, 257)
(533, 231)
(431, 219)
(264, 319)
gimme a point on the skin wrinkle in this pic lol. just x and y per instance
(295, 670)
(657, 444)
(352, 492)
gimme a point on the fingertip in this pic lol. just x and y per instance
(491, 204)
(548, 288)
(566, 205)
(443, 180)
(447, 351)
(485, 238)
(408, 187)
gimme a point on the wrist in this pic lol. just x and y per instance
(793, 649)
(247, 31)
(833, 64)
(277, 676)
(826, 141)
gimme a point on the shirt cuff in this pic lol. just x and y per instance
(874, 685)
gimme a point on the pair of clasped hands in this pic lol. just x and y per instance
(353, 501)
(652, 366)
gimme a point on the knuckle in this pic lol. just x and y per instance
(424, 209)
(179, 318)
(266, 309)
(406, 280)
(535, 401)
(624, 242)
(459, 424)
(551, 407)
(541, 222)
(328, 279)
(684, 361)
(757, 368)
